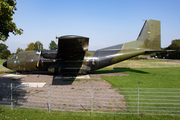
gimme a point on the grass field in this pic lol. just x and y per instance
(2, 68)
(159, 88)
(6, 114)
(148, 77)
(142, 78)
(154, 63)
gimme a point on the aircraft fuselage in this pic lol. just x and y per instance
(92, 60)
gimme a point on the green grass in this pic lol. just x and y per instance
(167, 78)
(2, 61)
(149, 78)
(81, 80)
(44, 115)
(156, 63)
(2, 68)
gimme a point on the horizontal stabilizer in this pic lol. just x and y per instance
(152, 51)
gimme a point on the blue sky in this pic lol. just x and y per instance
(105, 22)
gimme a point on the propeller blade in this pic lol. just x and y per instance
(38, 58)
(56, 38)
(42, 62)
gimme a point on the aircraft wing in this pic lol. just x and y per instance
(70, 55)
(72, 44)
(69, 47)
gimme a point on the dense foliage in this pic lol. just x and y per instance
(30, 47)
(175, 45)
(34, 46)
(7, 10)
(4, 52)
(38, 46)
(19, 50)
(53, 45)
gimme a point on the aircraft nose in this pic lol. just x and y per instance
(5, 64)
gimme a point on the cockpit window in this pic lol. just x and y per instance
(14, 57)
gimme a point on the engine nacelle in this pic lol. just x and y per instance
(51, 54)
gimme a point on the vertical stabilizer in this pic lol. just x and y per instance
(150, 35)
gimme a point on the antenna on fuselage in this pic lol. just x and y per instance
(56, 37)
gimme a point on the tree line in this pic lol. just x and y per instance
(37, 46)
(175, 45)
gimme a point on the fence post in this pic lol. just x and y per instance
(11, 97)
(139, 65)
(49, 100)
(156, 64)
(138, 103)
(91, 99)
(165, 64)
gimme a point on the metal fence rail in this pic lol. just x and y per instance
(153, 101)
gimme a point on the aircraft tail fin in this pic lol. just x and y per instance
(149, 38)
(150, 35)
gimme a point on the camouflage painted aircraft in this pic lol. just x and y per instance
(73, 57)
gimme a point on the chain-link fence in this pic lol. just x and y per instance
(148, 101)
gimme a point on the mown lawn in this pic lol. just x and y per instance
(2, 68)
(1, 61)
(144, 78)
(6, 114)
(159, 89)
(156, 63)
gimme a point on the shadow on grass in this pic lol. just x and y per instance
(117, 70)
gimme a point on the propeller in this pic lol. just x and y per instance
(56, 37)
(39, 56)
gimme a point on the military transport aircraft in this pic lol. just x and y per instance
(73, 57)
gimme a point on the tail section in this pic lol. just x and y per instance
(149, 38)
(148, 41)
(150, 35)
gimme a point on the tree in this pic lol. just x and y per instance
(30, 47)
(4, 52)
(7, 9)
(38, 46)
(53, 45)
(19, 50)
(175, 45)
(11, 55)
(3, 47)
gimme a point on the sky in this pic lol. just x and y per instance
(105, 22)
